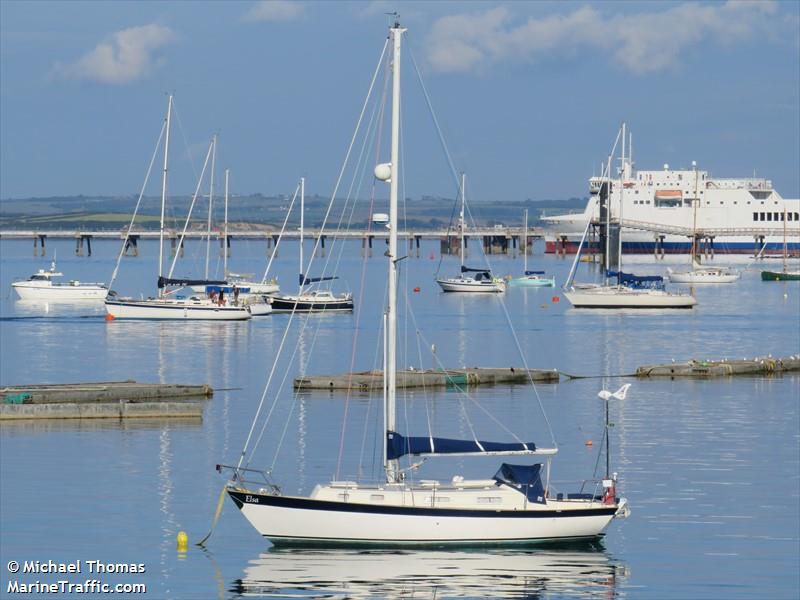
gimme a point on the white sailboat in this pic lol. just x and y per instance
(629, 291)
(252, 293)
(40, 286)
(171, 305)
(699, 274)
(517, 505)
(310, 300)
(531, 278)
(481, 280)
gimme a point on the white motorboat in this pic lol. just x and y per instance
(310, 300)
(171, 305)
(481, 280)
(704, 275)
(517, 505)
(40, 286)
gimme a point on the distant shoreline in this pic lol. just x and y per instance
(258, 212)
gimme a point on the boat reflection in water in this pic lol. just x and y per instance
(60, 308)
(573, 571)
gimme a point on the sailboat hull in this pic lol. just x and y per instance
(306, 521)
(780, 276)
(311, 304)
(463, 284)
(175, 310)
(621, 297)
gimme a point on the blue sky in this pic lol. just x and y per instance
(529, 95)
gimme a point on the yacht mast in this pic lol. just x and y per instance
(211, 200)
(164, 196)
(302, 214)
(392, 467)
(463, 210)
(525, 245)
(225, 231)
(621, 200)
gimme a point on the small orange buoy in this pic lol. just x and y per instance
(109, 317)
(416, 290)
(589, 443)
(556, 299)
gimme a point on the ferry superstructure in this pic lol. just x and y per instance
(662, 210)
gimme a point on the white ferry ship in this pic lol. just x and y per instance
(662, 210)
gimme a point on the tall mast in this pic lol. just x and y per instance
(621, 197)
(164, 195)
(302, 216)
(463, 210)
(525, 245)
(225, 231)
(392, 469)
(695, 202)
(211, 199)
(785, 248)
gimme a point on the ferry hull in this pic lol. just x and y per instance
(174, 311)
(675, 247)
(305, 521)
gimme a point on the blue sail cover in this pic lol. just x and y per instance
(534, 272)
(398, 445)
(306, 280)
(165, 281)
(526, 479)
(638, 281)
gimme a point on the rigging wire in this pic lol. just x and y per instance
(245, 448)
(486, 258)
(136, 209)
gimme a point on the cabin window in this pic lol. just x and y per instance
(769, 216)
(788, 216)
(763, 218)
(437, 499)
(759, 194)
(797, 216)
(775, 216)
(783, 216)
(755, 216)
(490, 500)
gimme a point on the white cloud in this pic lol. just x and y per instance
(642, 42)
(275, 10)
(125, 57)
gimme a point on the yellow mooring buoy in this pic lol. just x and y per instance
(182, 541)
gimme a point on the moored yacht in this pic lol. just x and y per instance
(40, 286)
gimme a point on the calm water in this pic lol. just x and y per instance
(711, 468)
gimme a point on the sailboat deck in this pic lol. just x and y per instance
(480, 494)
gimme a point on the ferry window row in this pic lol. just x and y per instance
(775, 216)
